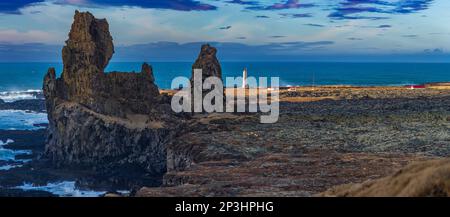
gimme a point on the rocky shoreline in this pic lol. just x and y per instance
(38, 171)
(317, 144)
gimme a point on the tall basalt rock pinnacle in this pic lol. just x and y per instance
(210, 67)
(208, 62)
(104, 120)
(89, 45)
(85, 57)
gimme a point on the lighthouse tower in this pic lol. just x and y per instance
(244, 78)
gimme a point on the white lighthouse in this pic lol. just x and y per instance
(244, 78)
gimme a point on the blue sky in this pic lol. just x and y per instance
(360, 30)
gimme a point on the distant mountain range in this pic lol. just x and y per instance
(172, 51)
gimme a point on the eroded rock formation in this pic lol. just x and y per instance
(104, 120)
(208, 63)
(85, 57)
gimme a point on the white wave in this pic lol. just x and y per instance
(21, 120)
(10, 155)
(11, 96)
(8, 141)
(62, 189)
(7, 154)
(8, 167)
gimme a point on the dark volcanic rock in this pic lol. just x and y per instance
(36, 105)
(22, 193)
(208, 62)
(104, 121)
(85, 56)
(210, 66)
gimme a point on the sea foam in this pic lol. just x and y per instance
(8, 167)
(11, 96)
(21, 120)
(62, 189)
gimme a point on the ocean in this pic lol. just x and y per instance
(29, 76)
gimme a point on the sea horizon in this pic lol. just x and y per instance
(28, 75)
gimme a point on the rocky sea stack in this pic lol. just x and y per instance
(104, 121)
(208, 63)
(210, 67)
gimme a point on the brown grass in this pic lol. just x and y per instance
(421, 179)
(305, 99)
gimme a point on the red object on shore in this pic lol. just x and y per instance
(415, 86)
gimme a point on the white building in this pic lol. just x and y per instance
(244, 78)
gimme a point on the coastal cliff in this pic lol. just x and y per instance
(104, 121)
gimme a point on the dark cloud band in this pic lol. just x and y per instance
(180, 5)
(352, 9)
(13, 6)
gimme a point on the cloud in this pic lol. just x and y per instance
(355, 39)
(225, 28)
(384, 26)
(347, 13)
(304, 15)
(410, 36)
(262, 16)
(168, 51)
(29, 52)
(287, 4)
(31, 36)
(12, 7)
(351, 9)
(179, 5)
(314, 25)
(434, 51)
(241, 2)
(277, 36)
(171, 51)
(411, 6)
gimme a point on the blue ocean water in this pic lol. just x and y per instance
(25, 76)
(21, 120)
